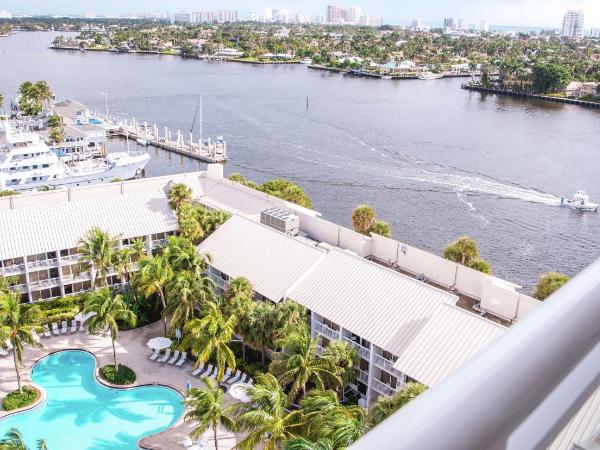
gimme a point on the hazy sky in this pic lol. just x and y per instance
(539, 13)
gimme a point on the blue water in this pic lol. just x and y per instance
(80, 413)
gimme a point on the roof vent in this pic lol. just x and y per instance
(281, 220)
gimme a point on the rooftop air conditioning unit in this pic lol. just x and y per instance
(281, 220)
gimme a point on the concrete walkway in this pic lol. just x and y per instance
(133, 352)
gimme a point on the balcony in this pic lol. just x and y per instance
(43, 264)
(363, 352)
(386, 365)
(320, 350)
(362, 376)
(326, 331)
(69, 258)
(539, 376)
(382, 388)
(44, 284)
(13, 270)
(72, 278)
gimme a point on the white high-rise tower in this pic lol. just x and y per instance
(573, 24)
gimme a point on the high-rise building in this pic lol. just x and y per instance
(484, 26)
(224, 16)
(182, 18)
(450, 23)
(353, 14)
(595, 33)
(334, 14)
(417, 24)
(462, 24)
(573, 24)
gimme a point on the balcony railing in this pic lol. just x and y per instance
(69, 258)
(363, 352)
(44, 284)
(382, 388)
(386, 365)
(43, 263)
(362, 376)
(328, 332)
(13, 270)
(84, 276)
(520, 392)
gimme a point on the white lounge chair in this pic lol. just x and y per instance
(55, 329)
(214, 374)
(250, 381)
(46, 331)
(209, 371)
(73, 326)
(3, 352)
(65, 327)
(227, 374)
(174, 358)
(199, 369)
(165, 357)
(8, 345)
(36, 337)
(245, 378)
(154, 355)
(235, 378)
(182, 359)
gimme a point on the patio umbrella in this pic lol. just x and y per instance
(82, 317)
(159, 343)
(238, 391)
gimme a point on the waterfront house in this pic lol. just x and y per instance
(229, 53)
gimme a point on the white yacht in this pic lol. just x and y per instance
(27, 163)
(430, 76)
(580, 201)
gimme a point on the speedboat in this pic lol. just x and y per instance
(386, 77)
(142, 142)
(430, 76)
(306, 61)
(580, 201)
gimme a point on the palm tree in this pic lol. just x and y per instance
(1, 100)
(324, 417)
(298, 365)
(181, 254)
(343, 358)
(17, 325)
(210, 336)
(463, 251)
(122, 262)
(301, 443)
(44, 94)
(154, 275)
(265, 417)
(185, 296)
(242, 307)
(239, 286)
(97, 250)
(289, 317)
(13, 440)
(110, 310)
(178, 195)
(363, 218)
(259, 327)
(205, 406)
(6, 283)
(385, 405)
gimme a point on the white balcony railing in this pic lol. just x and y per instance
(520, 392)
(84, 276)
(69, 258)
(44, 284)
(382, 388)
(43, 263)
(326, 331)
(362, 376)
(363, 352)
(13, 270)
(386, 365)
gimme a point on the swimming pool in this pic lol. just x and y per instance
(80, 413)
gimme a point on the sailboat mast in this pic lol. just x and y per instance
(201, 119)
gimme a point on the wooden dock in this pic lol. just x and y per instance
(206, 150)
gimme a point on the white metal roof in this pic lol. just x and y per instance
(271, 260)
(583, 429)
(57, 226)
(449, 338)
(381, 305)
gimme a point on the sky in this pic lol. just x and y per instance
(534, 13)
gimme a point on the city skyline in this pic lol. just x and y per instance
(534, 13)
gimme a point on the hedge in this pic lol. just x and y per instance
(58, 309)
(16, 400)
(123, 376)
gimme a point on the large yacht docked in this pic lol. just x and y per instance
(27, 163)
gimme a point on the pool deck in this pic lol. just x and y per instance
(133, 352)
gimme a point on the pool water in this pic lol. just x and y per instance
(80, 413)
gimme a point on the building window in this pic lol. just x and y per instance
(334, 326)
(388, 379)
(364, 365)
(362, 388)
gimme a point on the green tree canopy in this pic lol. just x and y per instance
(381, 228)
(363, 218)
(385, 405)
(548, 77)
(549, 283)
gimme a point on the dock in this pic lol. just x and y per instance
(205, 150)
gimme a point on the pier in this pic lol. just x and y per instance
(528, 95)
(205, 150)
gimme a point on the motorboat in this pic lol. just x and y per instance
(142, 142)
(580, 201)
(386, 77)
(430, 76)
(306, 61)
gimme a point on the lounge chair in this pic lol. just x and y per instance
(227, 374)
(199, 369)
(214, 374)
(154, 355)
(209, 371)
(47, 331)
(3, 352)
(235, 378)
(174, 358)
(73, 326)
(36, 337)
(165, 357)
(55, 329)
(250, 381)
(182, 359)
(65, 327)
(245, 378)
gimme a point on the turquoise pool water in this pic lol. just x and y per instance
(80, 413)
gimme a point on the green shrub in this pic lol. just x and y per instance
(59, 309)
(123, 376)
(16, 400)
